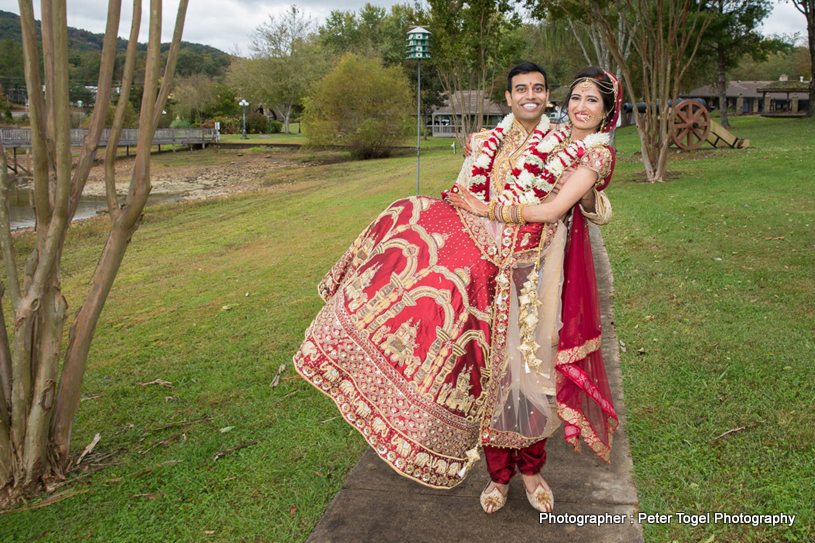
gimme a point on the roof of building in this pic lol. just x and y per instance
(786, 86)
(750, 89)
(468, 100)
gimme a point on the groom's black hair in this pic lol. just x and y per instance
(526, 68)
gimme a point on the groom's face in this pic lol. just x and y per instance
(528, 98)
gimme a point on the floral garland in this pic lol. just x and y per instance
(532, 178)
(479, 181)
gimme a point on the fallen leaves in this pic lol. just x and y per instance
(153, 496)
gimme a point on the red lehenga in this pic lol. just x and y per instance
(412, 343)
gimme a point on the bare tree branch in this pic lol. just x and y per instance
(121, 109)
(100, 108)
(9, 256)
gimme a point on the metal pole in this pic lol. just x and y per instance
(243, 136)
(418, 125)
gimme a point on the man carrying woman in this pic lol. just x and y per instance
(449, 327)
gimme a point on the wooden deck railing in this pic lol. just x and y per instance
(21, 137)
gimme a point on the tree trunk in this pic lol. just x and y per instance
(53, 309)
(721, 86)
(81, 335)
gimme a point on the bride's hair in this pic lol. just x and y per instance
(598, 77)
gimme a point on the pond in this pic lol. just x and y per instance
(21, 205)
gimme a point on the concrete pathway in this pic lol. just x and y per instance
(376, 504)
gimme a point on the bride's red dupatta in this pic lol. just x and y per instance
(583, 394)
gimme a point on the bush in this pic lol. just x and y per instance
(275, 127)
(361, 105)
(229, 125)
(180, 123)
(257, 123)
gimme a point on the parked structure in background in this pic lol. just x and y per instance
(766, 98)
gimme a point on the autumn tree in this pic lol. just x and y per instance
(665, 41)
(37, 401)
(807, 9)
(361, 105)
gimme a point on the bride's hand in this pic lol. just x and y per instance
(461, 197)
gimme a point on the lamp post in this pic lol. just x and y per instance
(163, 113)
(418, 48)
(79, 103)
(243, 103)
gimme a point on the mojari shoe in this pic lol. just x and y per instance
(493, 500)
(540, 497)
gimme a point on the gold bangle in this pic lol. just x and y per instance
(490, 210)
(505, 211)
(521, 219)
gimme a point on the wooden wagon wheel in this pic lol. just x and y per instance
(691, 125)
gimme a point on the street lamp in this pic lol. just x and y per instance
(163, 113)
(79, 103)
(243, 103)
(418, 48)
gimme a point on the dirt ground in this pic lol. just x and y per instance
(198, 174)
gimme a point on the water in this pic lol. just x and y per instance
(21, 206)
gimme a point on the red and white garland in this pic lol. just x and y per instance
(532, 178)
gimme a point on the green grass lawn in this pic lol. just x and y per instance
(214, 296)
(714, 282)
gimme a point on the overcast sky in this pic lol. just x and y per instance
(228, 24)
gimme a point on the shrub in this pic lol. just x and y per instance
(361, 105)
(229, 125)
(275, 127)
(180, 123)
(257, 123)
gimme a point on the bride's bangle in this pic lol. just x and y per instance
(491, 210)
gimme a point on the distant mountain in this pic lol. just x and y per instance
(84, 52)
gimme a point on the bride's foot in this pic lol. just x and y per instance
(494, 497)
(538, 492)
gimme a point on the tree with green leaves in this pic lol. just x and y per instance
(570, 16)
(376, 33)
(471, 43)
(807, 9)
(665, 41)
(733, 33)
(361, 105)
